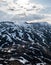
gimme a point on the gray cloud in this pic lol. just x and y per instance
(3, 3)
(28, 18)
(4, 16)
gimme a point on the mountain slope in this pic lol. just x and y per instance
(28, 43)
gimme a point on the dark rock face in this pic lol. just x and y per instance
(27, 44)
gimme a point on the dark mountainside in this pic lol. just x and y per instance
(28, 44)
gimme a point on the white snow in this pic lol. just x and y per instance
(23, 60)
(30, 38)
(1, 64)
(9, 51)
(13, 35)
(11, 59)
(18, 38)
(8, 38)
(41, 63)
(20, 34)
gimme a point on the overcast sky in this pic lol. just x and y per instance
(25, 10)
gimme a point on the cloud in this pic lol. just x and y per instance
(4, 16)
(47, 18)
(19, 6)
(24, 10)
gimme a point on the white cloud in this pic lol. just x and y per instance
(22, 10)
(19, 7)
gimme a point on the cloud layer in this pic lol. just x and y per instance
(23, 10)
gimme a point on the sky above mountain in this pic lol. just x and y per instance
(25, 10)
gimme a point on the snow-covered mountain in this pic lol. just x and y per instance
(29, 43)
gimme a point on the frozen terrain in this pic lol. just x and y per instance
(30, 44)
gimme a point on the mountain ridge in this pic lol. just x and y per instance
(31, 41)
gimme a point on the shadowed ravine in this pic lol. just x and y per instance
(28, 44)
